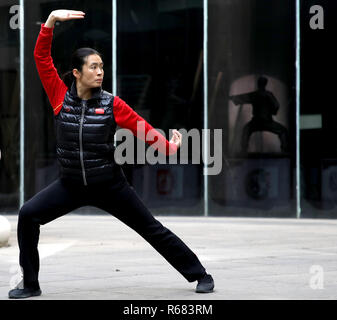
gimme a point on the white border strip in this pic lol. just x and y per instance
(22, 105)
(205, 140)
(298, 88)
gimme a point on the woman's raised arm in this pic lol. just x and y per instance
(53, 85)
(63, 15)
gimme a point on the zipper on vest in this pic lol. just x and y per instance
(81, 144)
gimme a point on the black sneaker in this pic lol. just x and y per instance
(205, 284)
(18, 293)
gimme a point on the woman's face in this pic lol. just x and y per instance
(92, 72)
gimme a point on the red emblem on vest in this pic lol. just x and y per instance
(99, 111)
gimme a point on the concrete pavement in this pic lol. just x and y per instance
(98, 257)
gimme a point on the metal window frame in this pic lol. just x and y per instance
(205, 140)
(298, 88)
(22, 104)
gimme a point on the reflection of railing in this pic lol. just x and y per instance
(135, 89)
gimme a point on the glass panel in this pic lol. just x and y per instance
(9, 106)
(251, 90)
(160, 76)
(318, 144)
(94, 31)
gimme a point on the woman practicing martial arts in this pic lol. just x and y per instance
(86, 117)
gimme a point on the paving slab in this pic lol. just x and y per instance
(96, 257)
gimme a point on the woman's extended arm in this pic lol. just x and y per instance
(127, 118)
(53, 85)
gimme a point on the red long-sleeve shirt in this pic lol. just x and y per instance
(56, 89)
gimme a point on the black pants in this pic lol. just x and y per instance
(119, 199)
(260, 125)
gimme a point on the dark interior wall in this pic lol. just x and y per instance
(165, 43)
(318, 72)
(159, 57)
(9, 108)
(318, 147)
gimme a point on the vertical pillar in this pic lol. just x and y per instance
(298, 87)
(22, 105)
(205, 140)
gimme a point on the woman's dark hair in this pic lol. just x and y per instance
(78, 59)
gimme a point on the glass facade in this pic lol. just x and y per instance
(247, 93)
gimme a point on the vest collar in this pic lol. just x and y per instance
(95, 92)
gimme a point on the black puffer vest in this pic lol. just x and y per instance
(85, 137)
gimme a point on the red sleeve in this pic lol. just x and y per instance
(53, 85)
(127, 118)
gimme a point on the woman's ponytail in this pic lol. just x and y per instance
(68, 78)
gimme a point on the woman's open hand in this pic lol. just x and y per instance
(176, 138)
(63, 15)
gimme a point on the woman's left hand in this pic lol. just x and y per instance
(176, 138)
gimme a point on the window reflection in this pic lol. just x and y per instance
(9, 112)
(160, 76)
(247, 106)
(251, 52)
